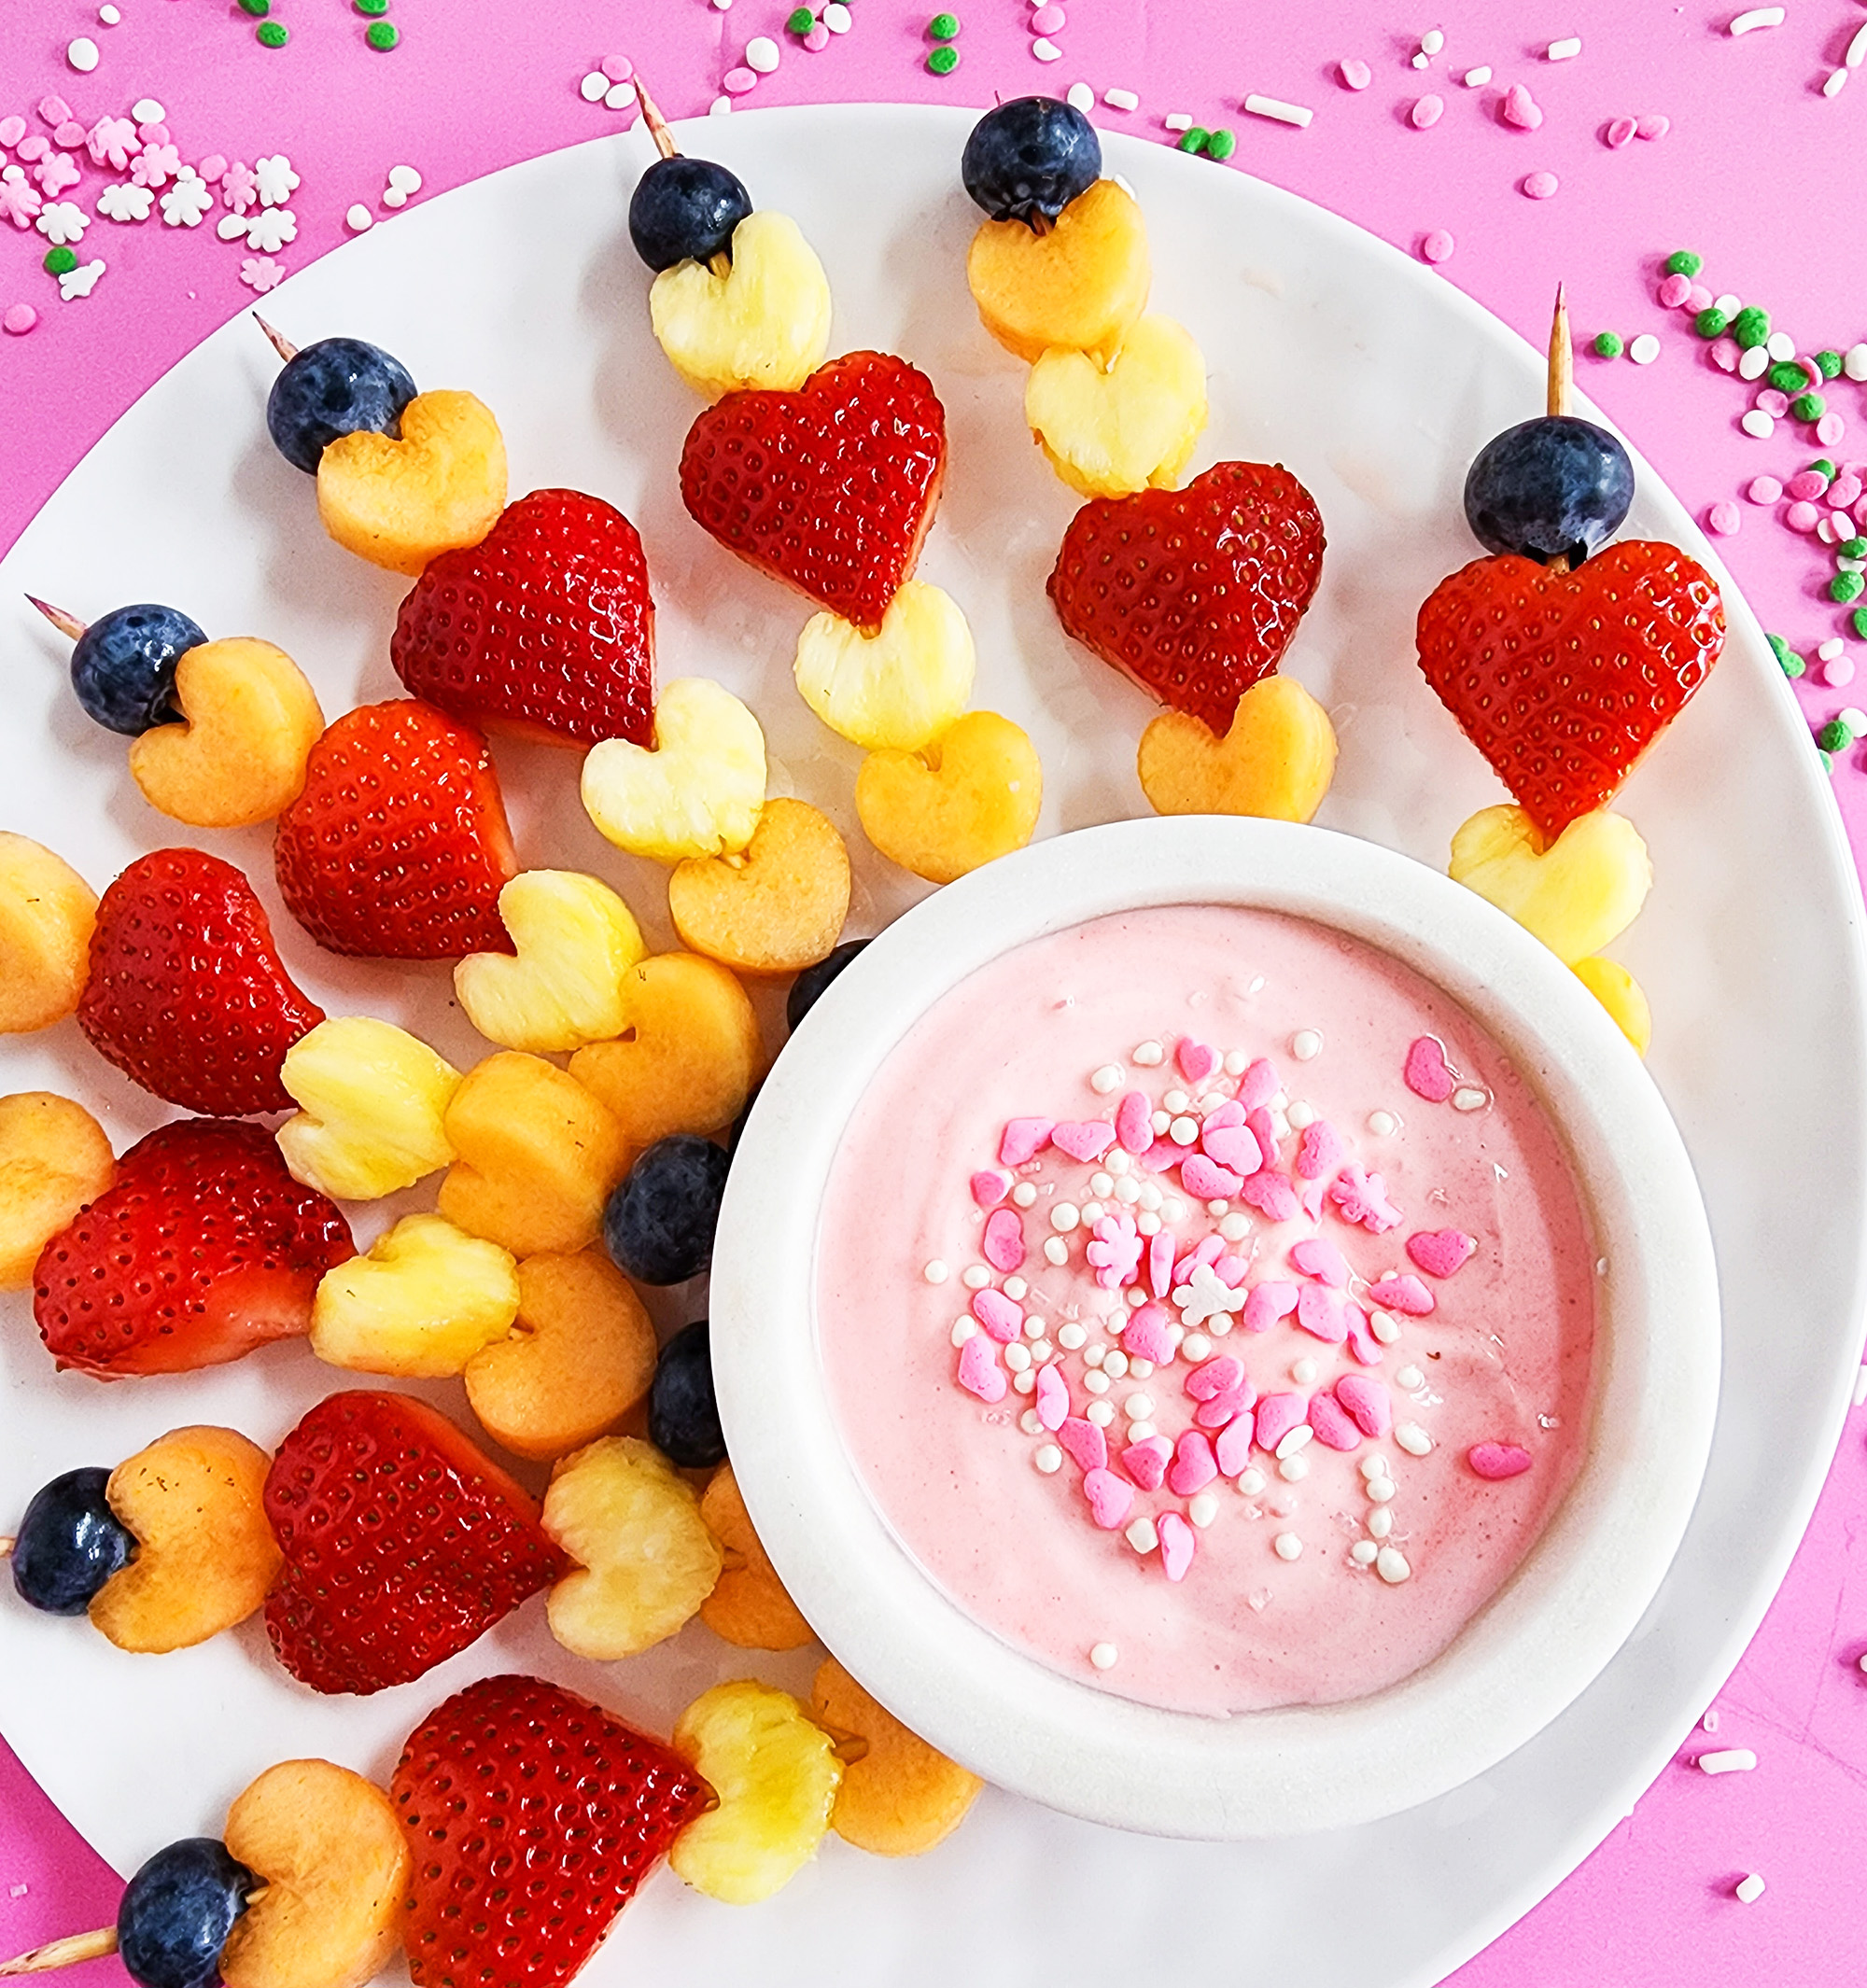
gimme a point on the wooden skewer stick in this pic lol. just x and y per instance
(721, 264)
(7, 1542)
(281, 343)
(64, 1953)
(1562, 356)
(65, 623)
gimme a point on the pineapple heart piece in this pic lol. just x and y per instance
(1111, 432)
(576, 939)
(1622, 996)
(1576, 894)
(48, 914)
(698, 792)
(765, 323)
(251, 720)
(1277, 759)
(399, 502)
(776, 909)
(972, 795)
(373, 1103)
(421, 1304)
(898, 689)
(1080, 285)
(54, 1160)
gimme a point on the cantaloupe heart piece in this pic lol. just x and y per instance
(764, 324)
(48, 914)
(972, 795)
(250, 720)
(898, 689)
(1081, 284)
(398, 501)
(698, 792)
(1277, 759)
(748, 1606)
(576, 939)
(778, 908)
(1576, 894)
(54, 1160)
(1111, 432)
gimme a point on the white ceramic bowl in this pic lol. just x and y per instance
(1556, 1622)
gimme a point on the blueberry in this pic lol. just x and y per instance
(683, 1419)
(123, 668)
(1555, 487)
(177, 1911)
(806, 990)
(659, 1221)
(338, 386)
(686, 209)
(70, 1543)
(1029, 157)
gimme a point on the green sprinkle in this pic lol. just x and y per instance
(943, 61)
(1808, 407)
(1751, 326)
(1822, 467)
(1682, 262)
(801, 21)
(272, 34)
(1860, 622)
(1778, 647)
(1827, 762)
(1853, 548)
(1607, 344)
(1792, 663)
(1195, 140)
(1711, 322)
(370, 7)
(1787, 377)
(1221, 144)
(257, 6)
(58, 261)
(1845, 587)
(1834, 737)
(1828, 363)
(943, 27)
(382, 34)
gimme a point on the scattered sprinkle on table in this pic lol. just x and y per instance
(1723, 518)
(1521, 108)
(358, 218)
(1541, 185)
(82, 54)
(1121, 100)
(1221, 144)
(1477, 78)
(801, 21)
(1758, 17)
(1103, 1656)
(1355, 73)
(1426, 112)
(274, 33)
(1045, 50)
(1048, 21)
(382, 36)
(108, 15)
(761, 54)
(370, 7)
(943, 60)
(836, 17)
(1279, 111)
(943, 27)
(594, 88)
(19, 318)
(1564, 51)
(1749, 1889)
(1432, 41)
(1607, 345)
(1182, 120)
(1645, 349)
(1079, 96)
(1730, 1760)
(1438, 245)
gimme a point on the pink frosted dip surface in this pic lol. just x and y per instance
(1505, 1358)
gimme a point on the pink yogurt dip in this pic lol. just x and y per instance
(1345, 1560)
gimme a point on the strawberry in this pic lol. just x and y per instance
(398, 848)
(403, 1542)
(185, 992)
(831, 488)
(1195, 593)
(1563, 680)
(544, 628)
(532, 1815)
(201, 1249)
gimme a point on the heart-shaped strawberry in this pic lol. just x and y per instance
(544, 627)
(830, 488)
(1564, 680)
(398, 848)
(1195, 593)
(186, 991)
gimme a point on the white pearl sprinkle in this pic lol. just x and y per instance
(1080, 97)
(1064, 1217)
(1045, 50)
(1118, 1163)
(1759, 426)
(1373, 1467)
(1390, 1563)
(1138, 1408)
(594, 87)
(1057, 1251)
(1385, 1326)
(1106, 1079)
(1127, 1191)
(1095, 1356)
(1303, 1372)
(1023, 1194)
(1115, 1364)
(1096, 1382)
(1381, 1490)
(1302, 1115)
(1196, 1347)
(1184, 1131)
(1750, 1889)
(1092, 1212)
(1380, 1521)
(1251, 1482)
(108, 15)
(1147, 1221)
(1300, 1437)
(1237, 1062)
(1854, 361)
(1017, 1356)
(1101, 1412)
(1141, 1535)
(936, 1272)
(1235, 1229)
(1033, 1325)
(963, 1328)
(1175, 1101)
(721, 106)
(976, 1277)
(1412, 1438)
(1147, 1053)
(1139, 1432)
(147, 110)
(358, 218)
(1151, 1197)
(1030, 1423)
(1041, 1350)
(1048, 1459)
(1432, 41)
(1103, 1656)
(1070, 1337)
(761, 54)
(1306, 1046)
(1159, 1121)
(1216, 1208)
(1288, 1546)
(1141, 1369)
(1410, 1377)
(1644, 350)
(1778, 346)
(1730, 303)
(1753, 363)
(1101, 1185)
(1363, 1551)
(82, 54)
(1026, 1382)
(1383, 1125)
(1293, 1469)
(1015, 1288)
(1469, 1097)
(1202, 1509)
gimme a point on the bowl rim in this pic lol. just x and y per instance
(1565, 1611)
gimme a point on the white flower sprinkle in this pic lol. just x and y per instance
(1644, 350)
(1288, 1546)
(1731, 1761)
(1031, 1422)
(1751, 1888)
(1385, 1326)
(1023, 1194)
(1147, 1054)
(1048, 1459)
(1469, 1097)
(1410, 1377)
(1045, 50)
(1306, 1046)
(1390, 1563)
(1121, 100)
(1564, 51)
(1363, 1551)
(1251, 1482)
(1017, 1356)
(1101, 1412)
(1293, 1470)
(594, 87)
(761, 54)
(1380, 1522)
(1057, 1251)
(936, 1272)
(1184, 1131)
(1064, 1217)
(1103, 1656)
(976, 1277)
(1108, 1078)
(1758, 17)
(1080, 97)
(964, 1326)
(1412, 1438)
(81, 281)
(1141, 1535)
(1096, 1382)
(1070, 1337)
(1273, 107)
(1477, 78)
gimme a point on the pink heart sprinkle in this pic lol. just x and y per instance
(1160, 1262)
(1004, 1239)
(1260, 1084)
(1084, 1140)
(1162, 1156)
(69, 134)
(1110, 1499)
(1277, 1414)
(1361, 1341)
(1134, 1122)
(1426, 1073)
(1231, 1112)
(1620, 133)
(1197, 1062)
(1053, 1399)
(1233, 1146)
(1319, 1152)
(1271, 1195)
(1335, 1429)
(1267, 1304)
(1264, 1132)
(1024, 1139)
(1232, 1450)
(1083, 1443)
(997, 1314)
(1368, 1402)
(1319, 1312)
(1147, 1461)
(1316, 1256)
(1232, 1271)
(1219, 1376)
(1193, 1466)
(1520, 109)
(1208, 1249)
(1403, 1294)
(1223, 1410)
(1176, 1545)
(1207, 1181)
(1497, 1461)
(1440, 1252)
(989, 1187)
(1145, 1336)
(979, 1371)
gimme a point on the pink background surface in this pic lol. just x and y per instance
(1753, 174)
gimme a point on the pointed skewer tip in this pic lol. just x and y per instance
(66, 624)
(657, 124)
(64, 1953)
(280, 342)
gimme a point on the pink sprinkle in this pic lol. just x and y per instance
(1234, 1147)
(1368, 1401)
(54, 110)
(1160, 1262)
(1619, 134)
(1802, 517)
(1316, 1256)
(1223, 1410)
(818, 40)
(1231, 1451)
(1162, 1156)
(1438, 245)
(1807, 484)
(1520, 108)
(1723, 517)
(1258, 1085)
(1355, 73)
(1674, 291)
(979, 1371)
(57, 171)
(1206, 1180)
(154, 133)
(1146, 1461)
(69, 134)
(1769, 401)
(1084, 1140)
(1844, 492)
(1267, 1304)
(1222, 1117)
(1219, 1376)
(1271, 1195)
(1440, 1252)
(1320, 1151)
(19, 318)
(1046, 19)
(1334, 1428)
(1403, 1294)
(1833, 674)
(1114, 1252)
(12, 130)
(1263, 1131)
(1084, 1443)
(1830, 429)
(1725, 352)
(1207, 1251)
(1361, 1340)
(997, 1314)
(990, 1188)
(1539, 186)
(1134, 1122)
(1024, 1139)
(1764, 490)
(1498, 1459)
(1653, 127)
(1194, 1466)
(34, 146)
(1004, 1239)
(1362, 1200)
(1110, 1499)
(738, 82)
(1053, 1399)
(1319, 1312)
(1426, 1073)
(212, 167)
(1196, 1060)
(618, 68)
(1426, 112)
(1176, 1545)
(1146, 1336)
(1277, 1414)
(1700, 297)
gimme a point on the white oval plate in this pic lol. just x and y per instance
(1376, 382)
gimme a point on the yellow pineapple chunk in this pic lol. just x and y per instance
(1622, 996)
(399, 502)
(373, 1105)
(1079, 285)
(1111, 431)
(765, 323)
(697, 793)
(1576, 894)
(898, 689)
(576, 939)
(421, 1304)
